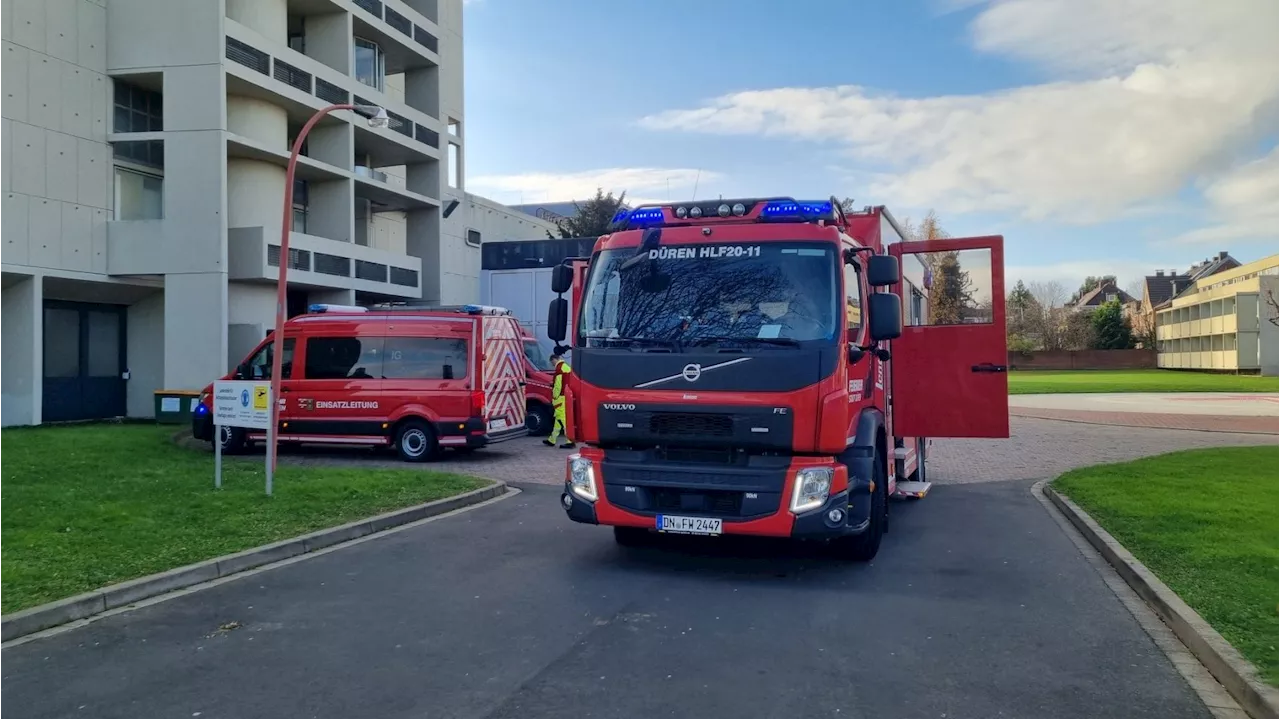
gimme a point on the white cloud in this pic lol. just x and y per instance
(1149, 95)
(642, 184)
(1245, 204)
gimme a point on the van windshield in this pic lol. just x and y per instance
(537, 356)
(782, 293)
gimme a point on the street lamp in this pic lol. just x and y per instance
(377, 117)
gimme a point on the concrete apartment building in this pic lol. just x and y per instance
(144, 153)
(1225, 321)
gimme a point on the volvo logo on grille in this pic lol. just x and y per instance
(691, 372)
(620, 407)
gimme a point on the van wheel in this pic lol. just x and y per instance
(232, 439)
(415, 442)
(863, 547)
(538, 419)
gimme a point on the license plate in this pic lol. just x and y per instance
(497, 424)
(688, 525)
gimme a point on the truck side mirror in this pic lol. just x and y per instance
(242, 371)
(884, 310)
(882, 270)
(561, 278)
(558, 319)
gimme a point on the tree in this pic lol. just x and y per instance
(1111, 328)
(592, 218)
(1021, 315)
(1050, 322)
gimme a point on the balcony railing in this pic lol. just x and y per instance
(250, 57)
(371, 173)
(398, 21)
(404, 278)
(373, 7)
(297, 78)
(426, 39)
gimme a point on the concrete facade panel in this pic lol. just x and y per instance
(29, 159)
(17, 242)
(76, 244)
(91, 45)
(45, 232)
(61, 165)
(16, 79)
(93, 174)
(28, 23)
(45, 87)
(60, 30)
(6, 155)
(77, 104)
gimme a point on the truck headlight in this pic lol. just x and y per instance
(582, 478)
(813, 486)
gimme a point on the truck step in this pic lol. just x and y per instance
(912, 490)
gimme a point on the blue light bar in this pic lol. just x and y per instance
(789, 209)
(325, 307)
(646, 216)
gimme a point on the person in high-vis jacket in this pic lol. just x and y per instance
(562, 370)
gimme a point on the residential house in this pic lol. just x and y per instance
(1224, 321)
(1158, 291)
(1103, 293)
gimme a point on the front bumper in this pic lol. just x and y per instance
(473, 433)
(839, 516)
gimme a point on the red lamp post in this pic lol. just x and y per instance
(377, 118)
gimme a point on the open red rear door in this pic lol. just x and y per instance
(949, 366)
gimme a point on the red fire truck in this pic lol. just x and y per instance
(719, 387)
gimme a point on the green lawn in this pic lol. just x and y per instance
(90, 505)
(1139, 380)
(1205, 521)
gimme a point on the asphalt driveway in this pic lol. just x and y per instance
(978, 606)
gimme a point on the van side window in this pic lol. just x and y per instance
(425, 358)
(344, 357)
(260, 362)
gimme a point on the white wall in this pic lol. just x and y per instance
(1268, 337)
(144, 347)
(21, 350)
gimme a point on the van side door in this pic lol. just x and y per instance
(339, 397)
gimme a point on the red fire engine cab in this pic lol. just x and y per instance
(750, 367)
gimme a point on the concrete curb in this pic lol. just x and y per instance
(82, 606)
(1232, 670)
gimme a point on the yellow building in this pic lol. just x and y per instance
(1224, 322)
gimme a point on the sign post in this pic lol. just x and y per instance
(240, 404)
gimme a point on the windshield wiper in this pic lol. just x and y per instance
(779, 341)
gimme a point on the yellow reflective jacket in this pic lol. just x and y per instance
(557, 384)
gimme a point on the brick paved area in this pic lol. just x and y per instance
(1038, 448)
(1199, 422)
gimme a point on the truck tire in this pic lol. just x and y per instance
(538, 419)
(415, 442)
(630, 536)
(233, 440)
(863, 547)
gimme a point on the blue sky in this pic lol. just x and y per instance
(1097, 136)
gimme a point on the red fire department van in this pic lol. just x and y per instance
(412, 379)
(743, 367)
(537, 367)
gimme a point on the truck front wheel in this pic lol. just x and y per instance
(863, 547)
(537, 419)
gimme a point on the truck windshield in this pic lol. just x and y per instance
(770, 294)
(537, 356)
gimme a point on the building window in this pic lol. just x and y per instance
(370, 63)
(473, 238)
(297, 34)
(139, 195)
(300, 204)
(1111, 297)
(453, 127)
(137, 109)
(455, 154)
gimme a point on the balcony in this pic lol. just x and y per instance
(256, 67)
(321, 263)
(409, 39)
